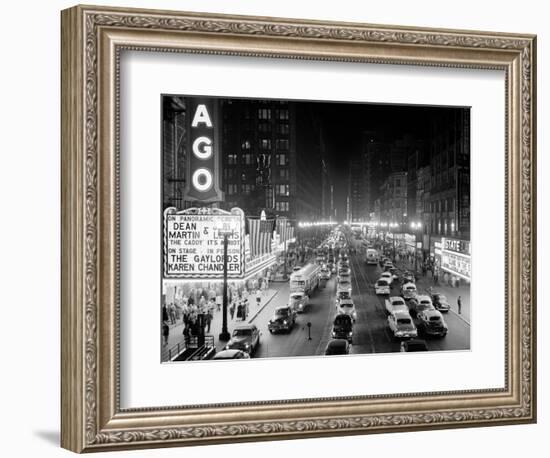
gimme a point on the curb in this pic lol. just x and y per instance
(263, 307)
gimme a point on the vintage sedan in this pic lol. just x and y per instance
(402, 325)
(283, 319)
(431, 323)
(342, 328)
(414, 345)
(337, 347)
(344, 285)
(231, 354)
(382, 286)
(324, 274)
(347, 307)
(440, 302)
(419, 304)
(388, 276)
(409, 291)
(396, 303)
(298, 300)
(408, 277)
(245, 337)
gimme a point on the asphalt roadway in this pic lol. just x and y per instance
(371, 332)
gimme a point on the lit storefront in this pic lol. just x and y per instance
(456, 259)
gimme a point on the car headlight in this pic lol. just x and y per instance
(285, 322)
(246, 345)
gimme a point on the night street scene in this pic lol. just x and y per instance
(303, 228)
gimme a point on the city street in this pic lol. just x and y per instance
(371, 332)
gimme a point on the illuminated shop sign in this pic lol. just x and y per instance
(193, 243)
(456, 264)
(203, 177)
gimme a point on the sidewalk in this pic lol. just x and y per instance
(176, 330)
(423, 283)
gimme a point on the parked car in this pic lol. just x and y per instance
(337, 347)
(347, 307)
(402, 325)
(283, 319)
(382, 286)
(231, 354)
(342, 328)
(388, 265)
(245, 337)
(396, 303)
(440, 302)
(408, 291)
(298, 301)
(414, 345)
(419, 304)
(431, 323)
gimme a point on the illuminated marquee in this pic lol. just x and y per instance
(193, 243)
(203, 177)
(455, 257)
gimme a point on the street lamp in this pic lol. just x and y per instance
(225, 231)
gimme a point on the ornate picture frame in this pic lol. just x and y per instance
(92, 40)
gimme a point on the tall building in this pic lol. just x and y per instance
(449, 200)
(393, 199)
(375, 160)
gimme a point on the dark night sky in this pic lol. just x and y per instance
(343, 125)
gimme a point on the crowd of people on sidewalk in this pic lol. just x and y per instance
(195, 307)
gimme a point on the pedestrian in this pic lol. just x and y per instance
(208, 319)
(246, 309)
(232, 308)
(219, 301)
(165, 332)
(459, 303)
(240, 312)
(172, 313)
(258, 297)
(164, 313)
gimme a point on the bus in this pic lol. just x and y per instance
(306, 279)
(372, 256)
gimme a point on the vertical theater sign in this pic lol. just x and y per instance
(203, 174)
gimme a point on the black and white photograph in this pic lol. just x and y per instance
(312, 228)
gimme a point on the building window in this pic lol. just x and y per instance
(265, 143)
(283, 129)
(282, 206)
(229, 174)
(282, 113)
(284, 174)
(247, 188)
(248, 159)
(264, 113)
(245, 145)
(264, 127)
(282, 144)
(282, 190)
(232, 188)
(281, 159)
(231, 159)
